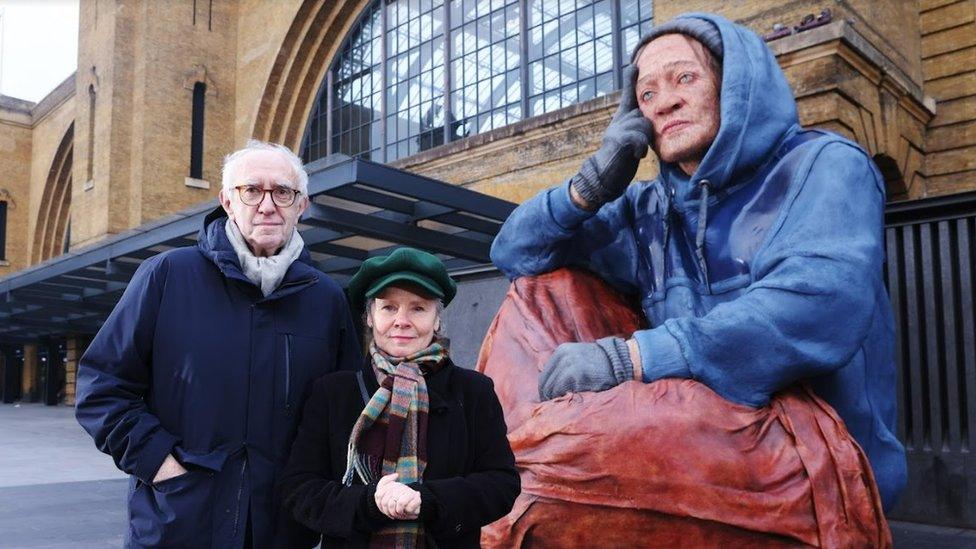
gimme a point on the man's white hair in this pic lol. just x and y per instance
(228, 174)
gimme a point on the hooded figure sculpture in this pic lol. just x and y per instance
(758, 263)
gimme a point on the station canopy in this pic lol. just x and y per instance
(358, 209)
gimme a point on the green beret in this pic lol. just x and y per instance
(403, 265)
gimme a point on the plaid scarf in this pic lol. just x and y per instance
(390, 435)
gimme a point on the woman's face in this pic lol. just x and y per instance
(402, 322)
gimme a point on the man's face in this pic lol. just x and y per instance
(678, 91)
(267, 226)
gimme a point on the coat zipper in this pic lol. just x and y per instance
(287, 372)
(240, 494)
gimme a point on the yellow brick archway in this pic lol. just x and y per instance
(315, 35)
(55, 207)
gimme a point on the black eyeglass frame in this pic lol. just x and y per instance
(294, 195)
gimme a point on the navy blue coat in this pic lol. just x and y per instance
(195, 361)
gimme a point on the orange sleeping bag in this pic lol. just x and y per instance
(668, 463)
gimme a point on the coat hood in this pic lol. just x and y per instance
(757, 110)
(213, 243)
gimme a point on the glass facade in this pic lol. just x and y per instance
(414, 74)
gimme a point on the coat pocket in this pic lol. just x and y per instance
(177, 512)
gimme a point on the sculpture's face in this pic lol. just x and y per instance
(678, 91)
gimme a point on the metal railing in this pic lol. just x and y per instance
(930, 273)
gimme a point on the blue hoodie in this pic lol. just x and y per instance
(786, 284)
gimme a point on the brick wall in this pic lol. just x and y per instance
(948, 31)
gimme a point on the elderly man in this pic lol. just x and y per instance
(756, 254)
(194, 382)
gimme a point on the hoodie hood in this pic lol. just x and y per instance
(757, 111)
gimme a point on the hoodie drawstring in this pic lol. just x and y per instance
(700, 234)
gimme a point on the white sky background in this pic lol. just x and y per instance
(38, 46)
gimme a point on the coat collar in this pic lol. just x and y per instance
(213, 243)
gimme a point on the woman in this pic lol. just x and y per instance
(410, 450)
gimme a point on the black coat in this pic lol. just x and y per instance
(196, 362)
(470, 479)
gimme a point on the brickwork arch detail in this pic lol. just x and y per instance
(315, 35)
(55, 208)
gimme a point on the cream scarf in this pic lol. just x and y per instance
(265, 272)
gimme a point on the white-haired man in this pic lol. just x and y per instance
(193, 383)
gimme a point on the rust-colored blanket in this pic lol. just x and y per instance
(668, 463)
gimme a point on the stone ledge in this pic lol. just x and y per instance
(63, 92)
(196, 183)
(512, 130)
(845, 32)
(16, 111)
(15, 104)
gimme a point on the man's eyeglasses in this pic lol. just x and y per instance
(252, 195)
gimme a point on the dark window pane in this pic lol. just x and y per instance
(3, 230)
(196, 132)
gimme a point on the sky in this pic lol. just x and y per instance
(38, 46)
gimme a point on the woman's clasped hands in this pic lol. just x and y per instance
(396, 500)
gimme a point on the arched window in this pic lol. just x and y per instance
(414, 74)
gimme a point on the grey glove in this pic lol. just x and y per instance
(605, 175)
(576, 367)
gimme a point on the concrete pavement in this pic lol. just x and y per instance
(56, 488)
